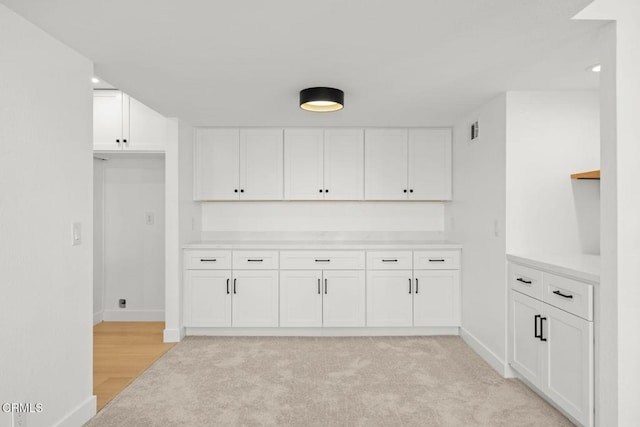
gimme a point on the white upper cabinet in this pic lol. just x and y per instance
(216, 164)
(261, 164)
(429, 164)
(343, 164)
(121, 123)
(303, 159)
(408, 164)
(238, 164)
(324, 164)
(385, 164)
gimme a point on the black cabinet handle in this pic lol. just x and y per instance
(325, 286)
(242, 190)
(405, 190)
(542, 319)
(389, 260)
(227, 286)
(411, 191)
(326, 190)
(526, 282)
(207, 260)
(234, 286)
(235, 191)
(416, 285)
(118, 141)
(254, 260)
(409, 285)
(435, 260)
(323, 260)
(320, 190)
(319, 292)
(563, 295)
(535, 326)
(124, 140)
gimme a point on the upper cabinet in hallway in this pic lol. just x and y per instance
(238, 164)
(122, 123)
(322, 164)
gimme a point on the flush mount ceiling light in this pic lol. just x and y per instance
(321, 99)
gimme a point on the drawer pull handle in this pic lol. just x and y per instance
(234, 286)
(542, 319)
(207, 260)
(254, 260)
(526, 282)
(319, 292)
(563, 295)
(227, 286)
(389, 260)
(323, 260)
(436, 260)
(535, 326)
(416, 285)
(409, 285)
(325, 286)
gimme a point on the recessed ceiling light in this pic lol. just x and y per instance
(95, 80)
(595, 68)
(321, 99)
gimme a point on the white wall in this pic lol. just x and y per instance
(98, 240)
(45, 185)
(183, 220)
(323, 216)
(551, 135)
(478, 207)
(134, 263)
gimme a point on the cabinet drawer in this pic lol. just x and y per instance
(255, 260)
(322, 260)
(203, 259)
(436, 260)
(569, 295)
(525, 280)
(390, 260)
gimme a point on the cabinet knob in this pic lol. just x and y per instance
(242, 190)
(235, 191)
(320, 190)
(405, 190)
(411, 191)
(124, 140)
(118, 141)
(326, 191)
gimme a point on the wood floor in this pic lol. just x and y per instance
(121, 352)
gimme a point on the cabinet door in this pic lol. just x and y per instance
(525, 350)
(569, 363)
(261, 164)
(216, 164)
(207, 298)
(344, 164)
(385, 170)
(255, 298)
(389, 298)
(429, 164)
(107, 120)
(344, 298)
(147, 128)
(300, 298)
(303, 159)
(436, 299)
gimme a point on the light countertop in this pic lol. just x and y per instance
(580, 266)
(324, 244)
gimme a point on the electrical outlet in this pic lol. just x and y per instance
(122, 303)
(19, 419)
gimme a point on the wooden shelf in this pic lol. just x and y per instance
(586, 175)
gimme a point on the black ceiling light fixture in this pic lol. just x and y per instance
(321, 99)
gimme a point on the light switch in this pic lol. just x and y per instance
(149, 218)
(76, 234)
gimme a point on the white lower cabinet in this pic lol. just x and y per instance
(390, 298)
(207, 298)
(255, 298)
(553, 350)
(322, 298)
(436, 298)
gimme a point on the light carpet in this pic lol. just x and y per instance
(363, 381)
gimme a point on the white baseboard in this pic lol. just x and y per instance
(80, 415)
(489, 356)
(173, 335)
(322, 332)
(98, 317)
(126, 315)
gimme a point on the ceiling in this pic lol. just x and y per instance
(400, 63)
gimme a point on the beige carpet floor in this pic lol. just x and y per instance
(371, 381)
